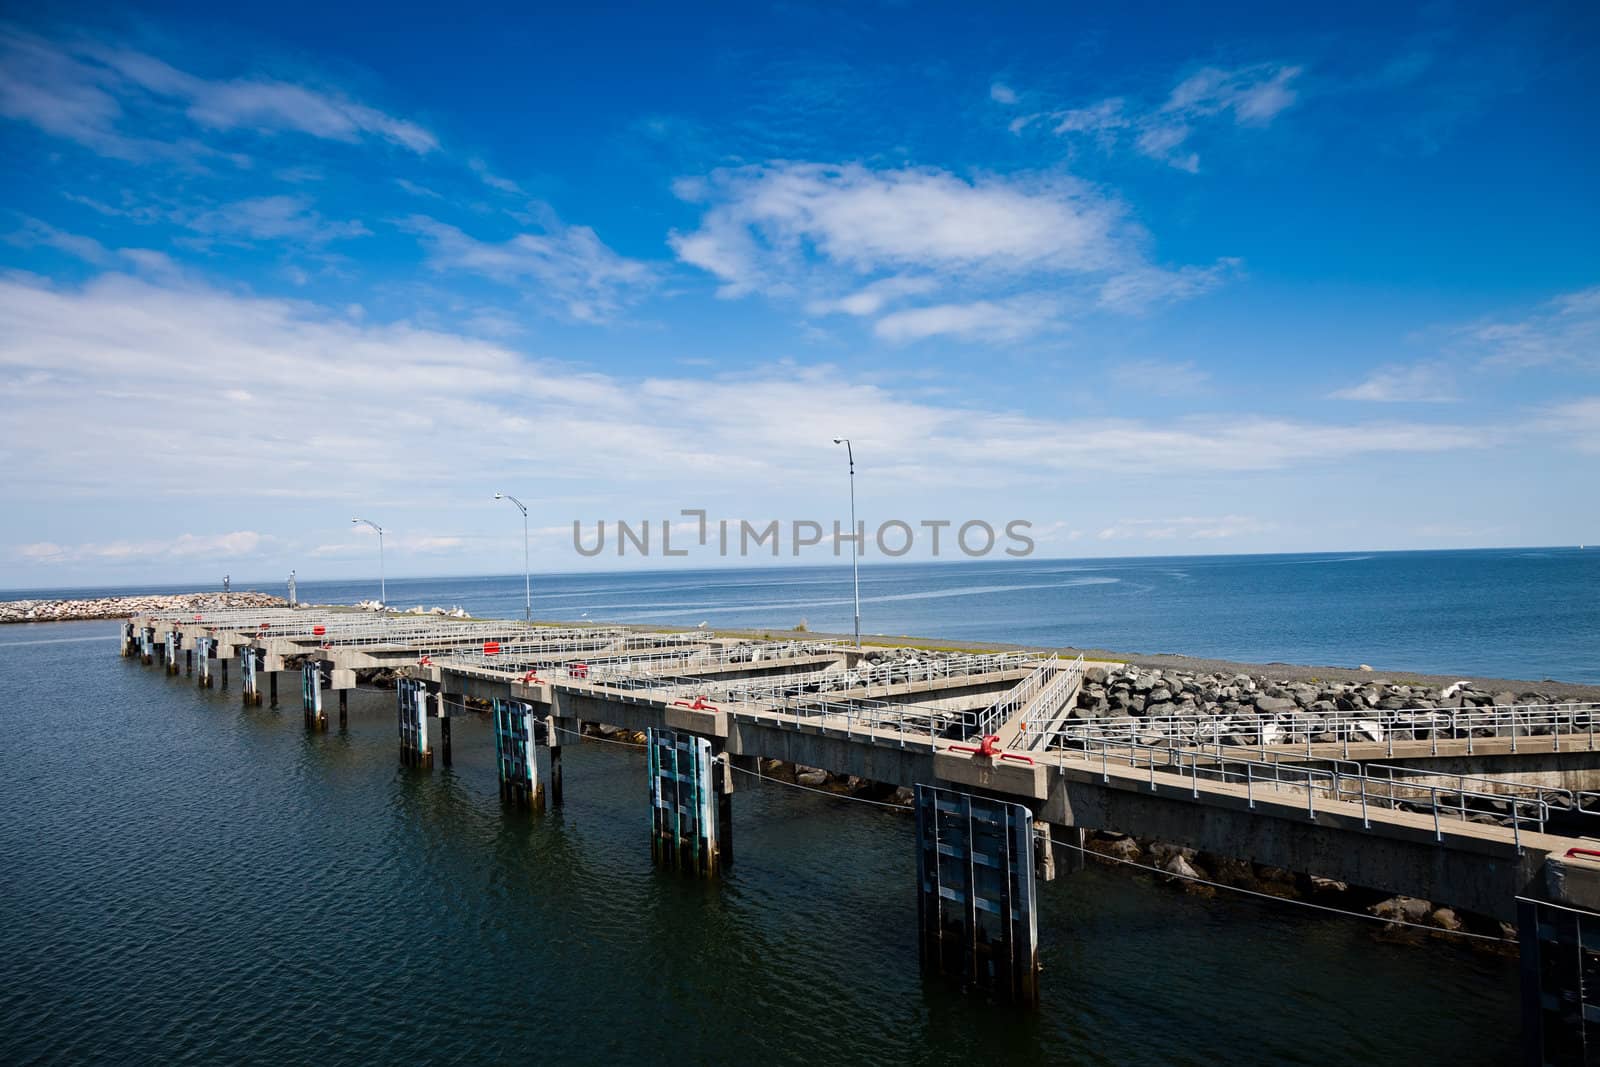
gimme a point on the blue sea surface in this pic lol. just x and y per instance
(1509, 613)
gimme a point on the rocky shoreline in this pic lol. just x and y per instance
(123, 607)
(1161, 704)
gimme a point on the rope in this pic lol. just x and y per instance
(1090, 852)
(1286, 900)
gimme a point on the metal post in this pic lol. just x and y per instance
(855, 534)
(527, 579)
(383, 591)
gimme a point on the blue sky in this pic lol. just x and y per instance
(1225, 279)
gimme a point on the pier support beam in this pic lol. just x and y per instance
(1560, 949)
(272, 687)
(174, 639)
(411, 705)
(188, 663)
(684, 802)
(444, 729)
(527, 755)
(344, 709)
(251, 661)
(976, 900)
(147, 645)
(129, 642)
(311, 695)
(205, 651)
(222, 665)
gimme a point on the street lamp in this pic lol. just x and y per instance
(527, 581)
(855, 533)
(383, 591)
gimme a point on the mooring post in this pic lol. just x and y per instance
(722, 776)
(976, 891)
(411, 707)
(444, 728)
(684, 802)
(311, 695)
(1560, 1006)
(552, 747)
(249, 681)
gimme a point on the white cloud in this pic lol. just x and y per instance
(570, 265)
(188, 546)
(982, 320)
(1141, 288)
(1564, 330)
(1153, 376)
(913, 217)
(84, 92)
(1002, 94)
(35, 233)
(1188, 527)
(1578, 421)
(351, 410)
(871, 299)
(271, 218)
(809, 229)
(1417, 383)
(492, 180)
(1250, 96)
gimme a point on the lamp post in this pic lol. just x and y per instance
(527, 581)
(383, 591)
(855, 534)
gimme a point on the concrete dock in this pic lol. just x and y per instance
(1486, 808)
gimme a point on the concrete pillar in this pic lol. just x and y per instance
(311, 695)
(1077, 838)
(722, 779)
(1044, 852)
(552, 735)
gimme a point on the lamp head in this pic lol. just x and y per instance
(497, 496)
(838, 440)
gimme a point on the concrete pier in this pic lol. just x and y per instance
(998, 758)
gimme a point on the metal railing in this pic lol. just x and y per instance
(1051, 703)
(1539, 727)
(1342, 782)
(1017, 697)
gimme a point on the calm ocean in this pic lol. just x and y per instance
(1509, 613)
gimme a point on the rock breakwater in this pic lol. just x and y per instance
(122, 607)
